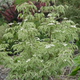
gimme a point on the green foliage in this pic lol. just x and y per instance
(2, 30)
(73, 13)
(77, 66)
(1, 20)
(22, 1)
(19, 1)
(41, 44)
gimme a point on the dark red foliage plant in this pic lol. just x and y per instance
(9, 13)
(40, 4)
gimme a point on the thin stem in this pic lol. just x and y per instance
(50, 36)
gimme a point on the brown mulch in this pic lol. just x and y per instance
(3, 72)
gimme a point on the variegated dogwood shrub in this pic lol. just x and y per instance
(43, 46)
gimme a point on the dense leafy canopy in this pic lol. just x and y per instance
(41, 45)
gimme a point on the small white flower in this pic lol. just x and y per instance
(38, 39)
(18, 61)
(65, 18)
(21, 29)
(48, 46)
(41, 60)
(50, 24)
(65, 44)
(53, 21)
(11, 24)
(19, 23)
(26, 20)
(39, 11)
(65, 60)
(28, 60)
(49, 15)
(74, 26)
(34, 55)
